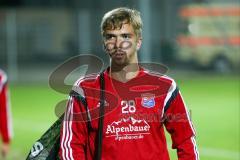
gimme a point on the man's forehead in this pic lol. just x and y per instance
(125, 28)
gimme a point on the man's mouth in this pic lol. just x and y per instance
(119, 54)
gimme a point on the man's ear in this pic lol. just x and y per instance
(139, 43)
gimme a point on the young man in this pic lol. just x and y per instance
(5, 115)
(138, 104)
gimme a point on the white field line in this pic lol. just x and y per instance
(15, 154)
(219, 153)
(31, 126)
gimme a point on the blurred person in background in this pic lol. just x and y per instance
(5, 115)
(126, 133)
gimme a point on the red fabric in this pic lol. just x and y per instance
(178, 124)
(134, 120)
(4, 115)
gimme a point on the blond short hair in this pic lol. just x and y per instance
(115, 18)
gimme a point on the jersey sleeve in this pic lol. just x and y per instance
(178, 123)
(5, 114)
(73, 135)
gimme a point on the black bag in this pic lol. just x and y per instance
(47, 147)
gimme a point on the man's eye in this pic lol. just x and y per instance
(126, 36)
(108, 37)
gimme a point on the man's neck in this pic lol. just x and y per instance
(125, 73)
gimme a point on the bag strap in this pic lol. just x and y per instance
(84, 102)
(98, 153)
(101, 116)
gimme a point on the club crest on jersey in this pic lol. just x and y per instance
(148, 100)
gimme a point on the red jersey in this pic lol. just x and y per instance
(135, 115)
(5, 112)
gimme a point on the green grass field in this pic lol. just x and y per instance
(214, 105)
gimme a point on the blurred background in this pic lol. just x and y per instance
(199, 41)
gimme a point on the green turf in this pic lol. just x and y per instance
(214, 104)
(33, 112)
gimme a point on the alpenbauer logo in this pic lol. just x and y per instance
(128, 129)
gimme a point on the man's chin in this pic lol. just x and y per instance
(119, 63)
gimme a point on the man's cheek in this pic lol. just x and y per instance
(126, 46)
(109, 49)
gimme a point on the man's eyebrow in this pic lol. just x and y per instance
(110, 34)
(115, 35)
(106, 35)
(129, 34)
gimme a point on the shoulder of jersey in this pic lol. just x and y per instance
(161, 77)
(3, 77)
(88, 80)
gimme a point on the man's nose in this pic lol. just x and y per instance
(118, 42)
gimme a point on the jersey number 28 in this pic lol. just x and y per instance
(128, 106)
